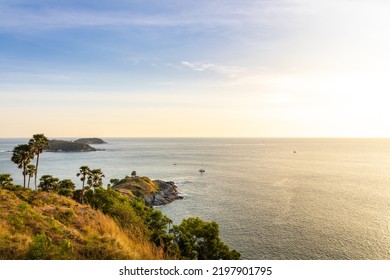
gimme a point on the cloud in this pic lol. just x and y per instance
(231, 71)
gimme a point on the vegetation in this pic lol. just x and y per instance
(31, 171)
(6, 181)
(45, 225)
(37, 144)
(84, 172)
(200, 240)
(22, 155)
(56, 221)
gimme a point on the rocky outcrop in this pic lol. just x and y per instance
(154, 193)
(167, 192)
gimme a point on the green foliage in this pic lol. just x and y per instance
(200, 240)
(39, 247)
(21, 156)
(66, 188)
(95, 178)
(114, 181)
(129, 213)
(6, 181)
(37, 144)
(112, 203)
(30, 172)
(84, 171)
(48, 183)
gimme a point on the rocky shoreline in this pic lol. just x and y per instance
(154, 193)
(167, 193)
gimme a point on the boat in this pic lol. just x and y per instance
(201, 170)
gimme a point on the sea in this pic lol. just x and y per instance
(274, 199)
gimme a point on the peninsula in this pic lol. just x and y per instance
(153, 193)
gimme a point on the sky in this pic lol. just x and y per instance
(178, 68)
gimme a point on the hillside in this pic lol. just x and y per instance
(45, 225)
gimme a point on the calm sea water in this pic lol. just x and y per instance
(329, 200)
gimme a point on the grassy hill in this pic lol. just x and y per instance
(136, 186)
(45, 225)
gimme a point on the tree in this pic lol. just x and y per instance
(113, 182)
(133, 174)
(48, 183)
(38, 143)
(22, 156)
(95, 178)
(5, 180)
(66, 187)
(84, 173)
(31, 172)
(200, 240)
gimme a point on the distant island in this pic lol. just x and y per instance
(90, 141)
(79, 145)
(68, 146)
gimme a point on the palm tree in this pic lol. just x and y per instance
(30, 172)
(22, 155)
(84, 172)
(95, 178)
(38, 143)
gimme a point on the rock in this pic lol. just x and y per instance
(166, 194)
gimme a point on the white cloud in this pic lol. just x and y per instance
(230, 71)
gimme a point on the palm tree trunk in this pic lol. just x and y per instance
(28, 183)
(24, 176)
(36, 172)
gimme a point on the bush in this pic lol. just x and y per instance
(199, 240)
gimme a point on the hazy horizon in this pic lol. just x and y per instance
(224, 68)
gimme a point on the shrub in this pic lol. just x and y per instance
(200, 240)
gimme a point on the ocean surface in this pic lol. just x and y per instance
(329, 200)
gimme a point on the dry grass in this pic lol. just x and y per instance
(49, 226)
(137, 185)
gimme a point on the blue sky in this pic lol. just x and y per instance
(204, 68)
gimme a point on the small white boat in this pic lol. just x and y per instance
(201, 170)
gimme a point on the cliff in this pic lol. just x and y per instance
(154, 193)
